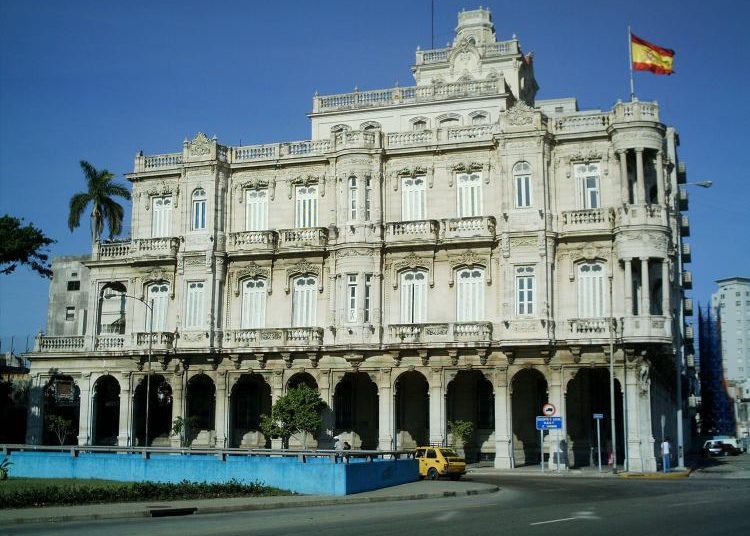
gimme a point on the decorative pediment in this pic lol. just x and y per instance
(468, 167)
(520, 115)
(470, 259)
(585, 156)
(418, 170)
(307, 179)
(200, 145)
(411, 262)
(158, 275)
(304, 267)
(161, 188)
(252, 271)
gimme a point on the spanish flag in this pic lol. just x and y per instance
(650, 57)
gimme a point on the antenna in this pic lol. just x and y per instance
(432, 23)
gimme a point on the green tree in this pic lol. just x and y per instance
(182, 427)
(461, 432)
(296, 412)
(100, 193)
(59, 426)
(23, 244)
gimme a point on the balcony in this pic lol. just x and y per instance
(440, 332)
(137, 248)
(111, 250)
(59, 344)
(305, 237)
(682, 199)
(686, 252)
(479, 228)
(646, 328)
(632, 215)
(158, 162)
(253, 241)
(581, 122)
(274, 337)
(110, 342)
(636, 111)
(684, 225)
(160, 340)
(687, 280)
(690, 361)
(588, 327)
(412, 232)
(687, 306)
(689, 333)
(589, 221)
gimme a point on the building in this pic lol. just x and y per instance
(453, 250)
(731, 306)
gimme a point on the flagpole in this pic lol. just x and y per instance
(630, 64)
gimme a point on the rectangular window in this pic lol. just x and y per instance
(525, 284)
(307, 206)
(368, 199)
(587, 179)
(368, 294)
(469, 194)
(199, 210)
(413, 198)
(353, 198)
(70, 314)
(256, 210)
(194, 305)
(351, 296)
(161, 216)
(523, 191)
(74, 285)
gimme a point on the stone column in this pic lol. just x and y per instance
(631, 405)
(641, 455)
(556, 397)
(660, 178)
(665, 289)
(221, 417)
(645, 286)
(84, 410)
(624, 182)
(325, 438)
(437, 406)
(628, 287)
(35, 415)
(178, 402)
(640, 189)
(277, 391)
(385, 411)
(126, 407)
(502, 420)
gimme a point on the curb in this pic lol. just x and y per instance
(141, 511)
(656, 476)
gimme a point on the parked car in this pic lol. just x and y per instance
(712, 447)
(435, 462)
(732, 441)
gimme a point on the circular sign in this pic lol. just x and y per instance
(548, 410)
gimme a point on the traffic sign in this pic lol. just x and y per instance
(548, 423)
(598, 416)
(548, 410)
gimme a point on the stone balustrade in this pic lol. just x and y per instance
(477, 227)
(160, 340)
(274, 337)
(587, 220)
(111, 250)
(257, 241)
(441, 55)
(636, 111)
(316, 237)
(578, 327)
(157, 162)
(440, 332)
(641, 215)
(474, 132)
(647, 329)
(161, 246)
(412, 231)
(59, 344)
(581, 122)
(110, 342)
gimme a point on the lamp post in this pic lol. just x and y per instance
(150, 306)
(681, 355)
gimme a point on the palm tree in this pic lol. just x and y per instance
(101, 191)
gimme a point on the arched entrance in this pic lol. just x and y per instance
(106, 411)
(529, 388)
(250, 398)
(588, 393)
(470, 397)
(303, 440)
(412, 410)
(302, 378)
(355, 406)
(201, 411)
(62, 402)
(159, 412)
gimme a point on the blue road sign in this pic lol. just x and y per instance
(598, 416)
(549, 423)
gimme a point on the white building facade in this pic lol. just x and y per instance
(454, 250)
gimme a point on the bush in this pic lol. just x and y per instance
(48, 495)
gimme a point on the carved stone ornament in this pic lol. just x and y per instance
(308, 179)
(162, 188)
(520, 115)
(158, 275)
(411, 262)
(304, 267)
(470, 259)
(416, 170)
(520, 241)
(200, 145)
(589, 154)
(251, 271)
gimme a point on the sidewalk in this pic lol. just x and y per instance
(584, 472)
(423, 489)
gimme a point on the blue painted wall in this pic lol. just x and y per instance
(318, 476)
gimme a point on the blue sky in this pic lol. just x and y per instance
(100, 80)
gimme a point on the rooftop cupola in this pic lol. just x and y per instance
(475, 27)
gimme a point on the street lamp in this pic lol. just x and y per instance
(119, 287)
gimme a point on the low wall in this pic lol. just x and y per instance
(314, 476)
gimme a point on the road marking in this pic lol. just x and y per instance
(578, 515)
(446, 516)
(689, 503)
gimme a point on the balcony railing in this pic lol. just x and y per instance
(112, 250)
(646, 327)
(316, 237)
(463, 228)
(636, 111)
(582, 122)
(641, 215)
(273, 337)
(160, 340)
(110, 342)
(412, 231)
(595, 219)
(439, 55)
(157, 162)
(140, 247)
(253, 241)
(59, 344)
(440, 332)
(687, 280)
(588, 326)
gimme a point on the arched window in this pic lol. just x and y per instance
(370, 125)
(340, 128)
(418, 123)
(256, 210)
(522, 181)
(307, 206)
(449, 120)
(161, 216)
(412, 198)
(470, 295)
(112, 314)
(199, 209)
(591, 289)
(304, 301)
(353, 184)
(587, 179)
(413, 297)
(479, 118)
(157, 296)
(253, 303)
(469, 194)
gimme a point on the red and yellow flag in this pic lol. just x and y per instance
(650, 57)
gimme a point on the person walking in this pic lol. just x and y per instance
(665, 452)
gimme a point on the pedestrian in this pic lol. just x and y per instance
(665, 452)
(347, 446)
(338, 446)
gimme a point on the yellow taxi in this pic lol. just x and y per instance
(435, 462)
